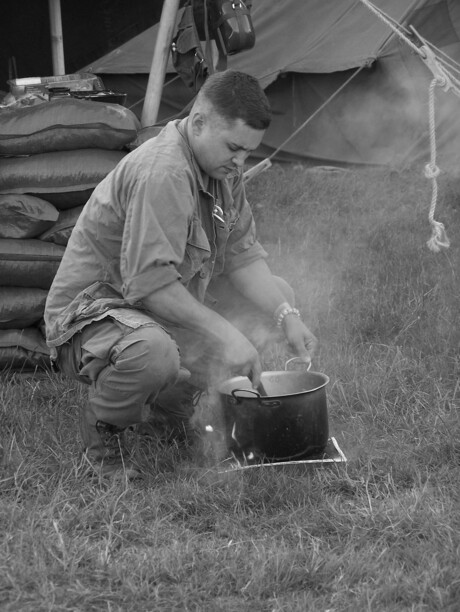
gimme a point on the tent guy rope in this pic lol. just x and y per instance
(442, 77)
(266, 163)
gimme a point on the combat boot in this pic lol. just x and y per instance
(171, 418)
(105, 448)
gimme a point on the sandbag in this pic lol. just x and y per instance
(21, 306)
(24, 216)
(60, 232)
(66, 124)
(71, 199)
(23, 350)
(58, 173)
(29, 263)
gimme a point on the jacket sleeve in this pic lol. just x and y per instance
(159, 209)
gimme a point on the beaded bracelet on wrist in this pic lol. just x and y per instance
(283, 312)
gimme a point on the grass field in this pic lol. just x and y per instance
(380, 534)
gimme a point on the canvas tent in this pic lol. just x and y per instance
(305, 50)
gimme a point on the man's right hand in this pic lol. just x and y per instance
(241, 357)
(175, 304)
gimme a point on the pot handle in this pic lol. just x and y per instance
(263, 401)
(297, 359)
(253, 391)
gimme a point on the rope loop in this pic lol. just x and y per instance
(432, 171)
(441, 81)
(438, 238)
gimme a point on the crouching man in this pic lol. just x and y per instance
(147, 304)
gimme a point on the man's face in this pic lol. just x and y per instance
(222, 147)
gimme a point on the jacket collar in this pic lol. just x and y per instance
(202, 178)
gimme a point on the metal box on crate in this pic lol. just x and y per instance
(83, 81)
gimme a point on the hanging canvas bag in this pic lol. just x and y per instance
(234, 29)
(227, 22)
(187, 54)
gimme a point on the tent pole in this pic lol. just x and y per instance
(159, 63)
(57, 47)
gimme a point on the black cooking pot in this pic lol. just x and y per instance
(285, 420)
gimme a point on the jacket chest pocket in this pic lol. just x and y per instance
(197, 251)
(232, 219)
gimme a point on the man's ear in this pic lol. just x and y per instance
(198, 121)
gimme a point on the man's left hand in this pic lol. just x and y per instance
(301, 340)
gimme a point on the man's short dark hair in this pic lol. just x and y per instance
(237, 95)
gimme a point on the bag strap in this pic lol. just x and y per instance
(208, 44)
(212, 32)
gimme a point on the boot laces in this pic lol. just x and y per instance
(111, 437)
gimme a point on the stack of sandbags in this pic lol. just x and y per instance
(53, 155)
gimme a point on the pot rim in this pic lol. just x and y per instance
(237, 379)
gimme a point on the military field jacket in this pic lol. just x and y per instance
(149, 223)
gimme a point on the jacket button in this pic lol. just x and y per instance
(203, 274)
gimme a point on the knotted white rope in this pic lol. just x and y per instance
(438, 233)
(446, 80)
